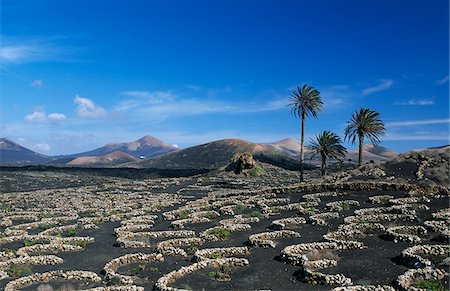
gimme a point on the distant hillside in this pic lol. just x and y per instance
(217, 154)
(147, 146)
(110, 159)
(371, 152)
(13, 153)
(440, 149)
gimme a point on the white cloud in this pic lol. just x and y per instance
(161, 104)
(42, 147)
(194, 87)
(42, 117)
(417, 122)
(419, 102)
(442, 81)
(22, 50)
(384, 85)
(37, 83)
(414, 137)
(86, 108)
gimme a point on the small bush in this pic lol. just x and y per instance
(431, 285)
(86, 214)
(71, 232)
(19, 271)
(239, 209)
(28, 243)
(254, 213)
(216, 256)
(257, 171)
(47, 226)
(210, 215)
(154, 269)
(183, 215)
(220, 233)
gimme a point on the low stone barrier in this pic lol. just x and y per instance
(341, 205)
(112, 266)
(206, 254)
(164, 282)
(172, 246)
(48, 248)
(365, 288)
(265, 239)
(412, 276)
(414, 256)
(290, 222)
(380, 199)
(405, 233)
(52, 276)
(31, 260)
(321, 218)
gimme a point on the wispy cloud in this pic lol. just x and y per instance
(161, 104)
(42, 147)
(37, 83)
(418, 102)
(417, 122)
(384, 85)
(415, 137)
(42, 117)
(442, 81)
(86, 108)
(22, 50)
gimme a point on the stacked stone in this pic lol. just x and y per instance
(321, 218)
(414, 256)
(112, 266)
(339, 205)
(205, 254)
(265, 239)
(380, 199)
(410, 277)
(52, 276)
(164, 282)
(406, 233)
(289, 222)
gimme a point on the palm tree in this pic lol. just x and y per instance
(305, 102)
(364, 123)
(327, 144)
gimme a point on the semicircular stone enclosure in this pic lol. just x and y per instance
(223, 233)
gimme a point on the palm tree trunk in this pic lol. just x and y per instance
(324, 165)
(360, 153)
(302, 145)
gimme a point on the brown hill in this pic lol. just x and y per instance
(216, 154)
(111, 159)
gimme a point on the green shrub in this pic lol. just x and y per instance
(47, 226)
(216, 256)
(431, 285)
(183, 214)
(210, 215)
(239, 209)
(154, 269)
(254, 213)
(28, 243)
(213, 274)
(257, 171)
(19, 271)
(86, 214)
(71, 232)
(221, 233)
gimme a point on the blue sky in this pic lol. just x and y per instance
(76, 75)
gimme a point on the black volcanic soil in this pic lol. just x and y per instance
(377, 264)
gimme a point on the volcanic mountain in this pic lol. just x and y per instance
(372, 152)
(147, 146)
(13, 153)
(111, 159)
(217, 154)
